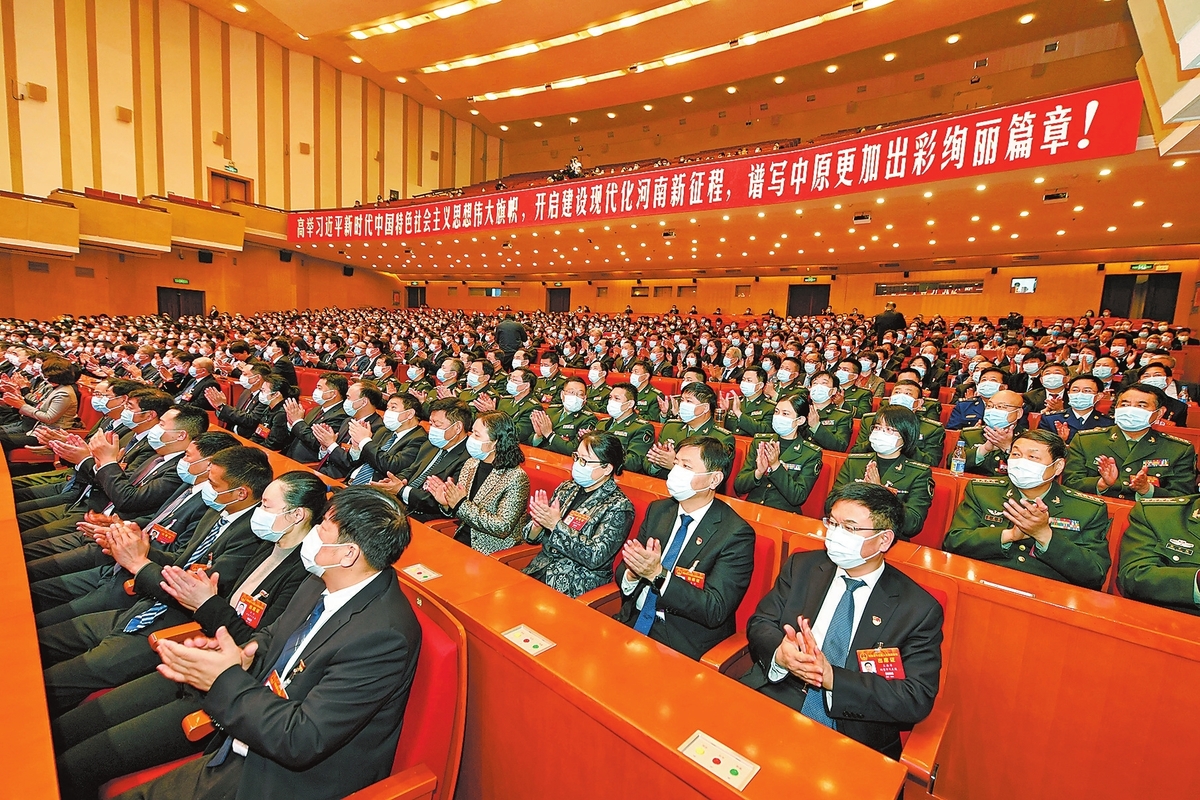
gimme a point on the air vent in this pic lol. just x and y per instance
(788, 269)
(669, 233)
(503, 245)
(701, 272)
(944, 262)
(862, 219)
(762, 106)
(1051, 47)
(733, 272)
(85, 272)
(1025, 259)
(828, 268)
(980, 63)
(1058, 196)
(39, 266)
(889, 265)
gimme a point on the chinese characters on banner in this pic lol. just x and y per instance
(1094, 123)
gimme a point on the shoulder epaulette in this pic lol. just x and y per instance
(1093, 432)
(1187, 498)
(989, 481)
(867, 456)
(1081, 496)
(920, 464)
(1174, 438)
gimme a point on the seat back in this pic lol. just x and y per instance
(88, 416)
(545, 476)
(641, 499)
(741, 451)
(307, 378)
(768, 543)
(945, 590)
(855, 428)
(937, 522)
(831, 462)
(948, 446)
(435, 718)
(1118, 515)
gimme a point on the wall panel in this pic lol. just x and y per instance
(330, 186)
(272, 128)
(176, 67)
(36, 63)
(114, 81)
(78, 94)
(244, 132)
(349, 116)
(9, 124)
(464, 163)
(394, 153)
(300, 101)
(212, 102)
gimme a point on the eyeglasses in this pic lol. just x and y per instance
(583, 462)
(826, 521)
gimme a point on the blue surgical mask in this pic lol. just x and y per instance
(582, 475)
(687, 411)
(437, 437)
(100, 404)
(154, 437)
(262, 522)
(127, 418)
(348, 407)
(210, 497)
(995, 418)
(783, 425)
(513, 388)
(183, 469)
(475, 448)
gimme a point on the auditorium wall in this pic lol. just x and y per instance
(201, 94)
(241, 283)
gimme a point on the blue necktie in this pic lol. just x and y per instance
(650, 605)
(365, 472)
(158, 609)
(836, 648)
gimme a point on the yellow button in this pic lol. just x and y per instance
(1020, 558)
(1022, 546)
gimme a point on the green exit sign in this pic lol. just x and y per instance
(1141, 267)
(182, 281)
(811, 279)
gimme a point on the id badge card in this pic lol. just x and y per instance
(262, 431)
(882, 661)
(250, 609)
(691, 576)
(162, 535)
(575, 521)
(275, 683)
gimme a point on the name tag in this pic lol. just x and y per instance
(250, 609)
(575, 520)
(162, 535)
(1065, 524)
(691, 576)
(276, 685)
(262, 431)
(1156, 462)
(882, 661)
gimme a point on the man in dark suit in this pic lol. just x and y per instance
(393, 447)
(200, 379)
(276, 354)
(441, 456)
(364, 403)
(329, 395)
(889, 320)
(815, 630)
(242, 417)
(343, 653)
(684, 575)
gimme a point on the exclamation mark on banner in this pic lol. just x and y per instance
(1088, 118)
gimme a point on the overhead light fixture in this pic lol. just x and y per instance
(475, 112)
(573, 120)
(356, 59)
(1168, 224)
(1139, 203)
(1178, 163)
(1026, 19)
(1039, 180)
(503, 127)
(358, 35)
(302, 36)
(1112, 228)
(953, 38)
(647, 107)
(981, 187)
(687, 98)
(832, 68)
(402, 79)
(611, 115)
(889, 56)
(779, 79)
(731, 89)
(1105, 172)
(241, 9)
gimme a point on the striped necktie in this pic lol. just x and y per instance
(140, 477)
(158, 609)
(836, 648)
(365, 472)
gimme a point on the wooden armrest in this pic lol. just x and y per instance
(605, 599)
(728, 654)
(414, 783)
(197, 725)
(447, 527)
(178, 633)
(519, 556)
(921, 750)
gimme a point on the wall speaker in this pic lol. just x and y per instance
(995, 270)
(906, 274)
(756, 279)
(348, 271)
(393, 195)
(1099, 268)
(285, 256)
(694, 281)
(205, 256)
(832, 278)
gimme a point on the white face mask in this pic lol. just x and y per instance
(679, 482)
(1131, 419)
(593, 376)
(1053, 380)
(845, 548)
(749, 388)
(615, 408)
(1026, 473)
(784, 375)
(391, 420)
(884, 443)
(572, 403)
(309, 548)
(820, 393)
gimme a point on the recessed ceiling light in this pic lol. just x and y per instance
(879, 200)
(928, 195)
(1039, 180)
(980, 187)
(612, 115)
(953, 38)
(687, 98)
(475, 112)
(503, 127)
(970, 238)
(762, 214)
(928, 222)
(537, 123)
(895, 244)
(1178, 163)
(889, 56)
(1105, 171)
(573, 120)
(995, 227)
(831, 249)
(356, 59)
(1139, 203)
(933, 241)
(975, 218)
(1112, 228)
(647, 107)
(889, 226)
(851, 230)
(780, 79)
(1061, 232)
(832, 68)
(799, 210)
(241, 9)
(1026, 19)
(725, 217)
(862, 247)
(1024, 213)
(816, 233)
(302, 36)
(1078, 208)
(837, 206)
(731, 89)
(399, 78)
(1168, 224)
(1014, 236)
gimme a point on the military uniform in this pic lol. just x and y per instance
(793, 388)
(1170, 462)
(912, 481)
(568, 430)
(834, 431)
(469, 396)
(929, 446)
(423, 385)
(520, 413)
(857, 401)
(755, 418)
(967, 413)
(647, 404)
(676, 431)
(1160, 553)
(994, 462)
(931, 410)
(597, 398)
(786, 487)
(549, 390)
(1078, 549)
(1074, 422)
(636, 437)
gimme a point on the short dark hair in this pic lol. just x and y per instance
(369, 390)
(155, 400)
(121, 387)
(239, 347)
(628, 387)
(716, 455)
(523, 375)
(278, 383)
(245, 466)
(192, 419)
(303, 489)
(59, 371)
(1058, 448)
(372, 520)
(703, 393)
(755, 369)
(455, 410)
(608, 449)
(503, 433)
(580, 381)
(335, 380)
(485, 366)
(905, 423)
(410, 402)
(799, 403)
(213, 442)
(887, 512)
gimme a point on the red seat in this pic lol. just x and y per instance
(937, 522)
(1118, 513)
(545, 476)
(948, 447)
(814, 506)
(741, 451)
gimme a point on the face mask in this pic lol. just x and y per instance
(1026, 474)
(210, 495)
(626, 354)
(864, 365)
(902, 400)
(127, 418)
(843, 377)
(378, 371)
(1117, 350)
(391, 420)
(582, 475)
(1143, 361)
(1156, 380)
(413, 372)
(615, 408)
(920, 370)
(244, 381)
(679, 483)
(830, 355)
(845, 548)
(475, 448)
(573, 403)
(309, 548)
(820, 393)
(638, 380)
(437, 437)
(691, 361)
(727, 361)
(262, 522)
(443, 375)
(969, 352)
(884, 443)
(191, 371)
(989, 388)
(154, 437)
(513, 388)
(995, 418)
(593, 375)
(687, 411)
(1081, 401)
(264, 396)
(545, 370)
(749, 388)
(810, 367)
(784, 375)
(1103, 373)
(1053, 381)
(783, 425)
(1030, 368)
(100, 404)
(348, 407)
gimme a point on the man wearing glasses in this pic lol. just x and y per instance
(988, 445)
(827, 639)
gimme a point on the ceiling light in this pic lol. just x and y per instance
(1039, 180)
(537, 124)
(889, 226)
(953, 38)
(832, 68)
(573, 120)
(1063, 233)
(1078, 208)
(1014, 236)
(241, 9)
(980, 187)
(970, 238)
(1105, 171)
(475, 112)
(1168, 224)
(799, 210)
(725, 217)
(503, 127)
(1112, 228)
(731, 89)
(879, 200)
(611, 115)
(302, 36)
(1024, 213)
(831, 249)
(779, 79)
(1026, 19)
(889, 56)
(928, 195)
(647, 107)
(400, 78)
(356, 59)
(928, 222)
(762, 214)
(933, 241)
(1178, 163)
(995, 227)
(1139, 203)
(816, 233)
(687, 98)
(358, 34)
(975, 218)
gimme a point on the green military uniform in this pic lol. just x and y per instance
(568, 429)
(755, 418)
(469, 396)
(423, 385)
(520, 413)
(636, 437)
(1078, 548)
(834, 431)
(1160, 553)
(786, 487)
(597, 398)
(930, 410)
(793, 388)
(929, 446)
(857, 401)
(994, 462)
(676, 431)
(549, 390)
(1169, 461)
(647, 404)
(911, 480)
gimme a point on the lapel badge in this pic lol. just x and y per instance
(876, 620)
(699, 540)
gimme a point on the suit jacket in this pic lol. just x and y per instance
(722, 548)
(277, 588)
(421, 505)
(384, 456)
(304, 445)
(338, 464)
(193, 390)
(494, 513)
(272, 430)
(244, 417)
(868, 708)
(287, 369)
(337, 731)
(116, 485)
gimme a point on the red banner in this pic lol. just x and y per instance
(1094, 123)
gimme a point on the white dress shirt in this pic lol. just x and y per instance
(627, 585)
